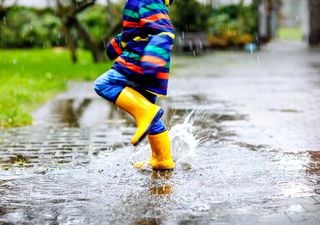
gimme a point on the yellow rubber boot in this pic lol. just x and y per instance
(141, 109)
(161, 158)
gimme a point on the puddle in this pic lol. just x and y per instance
(245, 140)
(79, 113)
(92, 182)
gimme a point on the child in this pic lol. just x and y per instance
(140, 73)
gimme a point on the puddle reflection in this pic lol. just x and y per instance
(313, 167)
(69, 111)
(80, 112)
(147, 222)
(160, 182)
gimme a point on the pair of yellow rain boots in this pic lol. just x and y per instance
(145, 113)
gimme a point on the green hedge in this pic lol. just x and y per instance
(28, 27)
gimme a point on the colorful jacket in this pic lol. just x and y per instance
(142, 49)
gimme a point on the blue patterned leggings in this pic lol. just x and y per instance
(110, 84)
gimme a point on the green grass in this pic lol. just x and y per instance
(290, 33)
(29, 78)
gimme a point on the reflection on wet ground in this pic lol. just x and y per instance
(245, 136)
(313, 167)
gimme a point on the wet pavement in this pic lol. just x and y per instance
(245, 131)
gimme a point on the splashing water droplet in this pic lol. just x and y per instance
(183, 142)
(183, 146)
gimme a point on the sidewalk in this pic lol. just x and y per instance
(256, 118)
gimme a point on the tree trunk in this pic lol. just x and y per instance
(314, 7)
(70, 42)
(89, 42)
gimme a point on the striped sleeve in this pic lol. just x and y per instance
(156, 57)
(114, 48)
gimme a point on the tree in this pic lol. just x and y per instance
(314, 38)
(68, 12)
(4, 8)
(3, 12)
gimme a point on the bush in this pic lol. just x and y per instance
(96, 21)
(232, 25)
(189, 16)
(26, 27)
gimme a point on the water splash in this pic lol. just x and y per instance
(183, 145)
(184, 142)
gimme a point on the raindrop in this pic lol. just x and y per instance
(257, 37)
(258, 59)
(4, 20)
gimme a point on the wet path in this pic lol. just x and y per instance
(245, 131)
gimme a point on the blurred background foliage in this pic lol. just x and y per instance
(189, 16)
(28, 27)
(23, 27)
(233, 25)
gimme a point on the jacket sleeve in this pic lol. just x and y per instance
(156, 23)
(114, 48)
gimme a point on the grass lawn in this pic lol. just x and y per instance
(29, 78)
(290, 33)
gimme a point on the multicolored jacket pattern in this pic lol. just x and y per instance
(142, 50)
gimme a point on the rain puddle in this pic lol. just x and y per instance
(245, 140)
(96, 183)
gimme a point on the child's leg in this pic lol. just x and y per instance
(157, 126)
(114, 87)
(159, 140)
(110, 84)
